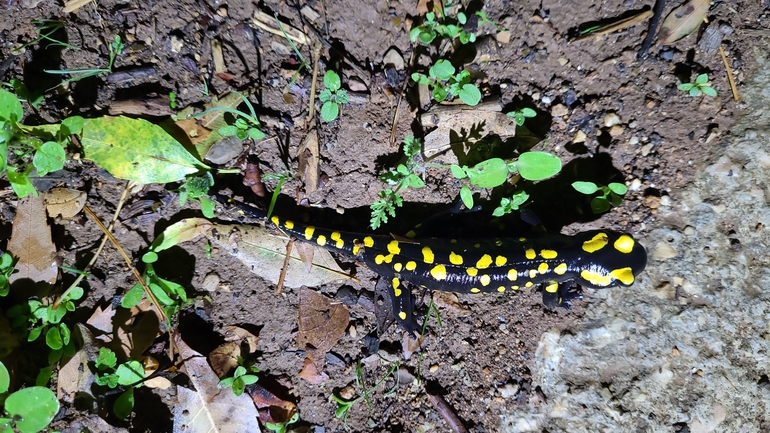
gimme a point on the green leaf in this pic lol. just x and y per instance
(255, 134)
(50, 157)
(76, 293)
(71, 125)
(618, 188)
(695, 91)
(132, 297)
(207, 207)
(614, 199)
(461, 18)
(5, 378)
(34, 333)
(585, 187)
(226, 382)
(124, 404)
(685, 86)
(53, 338)
(65, 333)
(528, 112)
(248, 379)
(20, 183)
(161, 294)
(414, 181)
(415, 33)
(457, 171)
(702, 79)
(181, 231)
(135, 149)
(466, 196)
(228, 130)
(710, 91)
(341, 96)
(130, 372)
(238, 387)
(439, 93)
(150, 257)
(10, 107)
(427, 37)
(470, 94)
(33, 407)
(332, 81)
(600, 205)
(106, 359)
(329, 111)
(489, 174)
(442, 70)
(538, 165)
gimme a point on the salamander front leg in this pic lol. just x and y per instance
(559, 295)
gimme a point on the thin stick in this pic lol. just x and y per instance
(285, 268)
(730, 78)
(122, 252)
(80, 277)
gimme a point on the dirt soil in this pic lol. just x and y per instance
(610, 114)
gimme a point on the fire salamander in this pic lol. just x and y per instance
(596, 259)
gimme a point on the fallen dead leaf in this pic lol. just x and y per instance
(240, 335)
(311, 374)
(252, 177)
(75, 376)
(263, 252)
(31, 243)
(309, 155)
(224, 358)
(66, 202)
(683, 20)
(272, 408)
(321, 324)
(136, 330)
(208, 408)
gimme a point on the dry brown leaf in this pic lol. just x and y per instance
(264, 251)
(74, 5)
(76, 376)
(66, 202)
(277, 411)
(158, 106)
(311, 374)
(209, 409)
(31, 243)
(269, 23)
(462, 117)
(321, 324)
(240, 336)
(224, 358)
(309, 155)
(683, 20)
(136, 330)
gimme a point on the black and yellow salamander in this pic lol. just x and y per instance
(597, 259)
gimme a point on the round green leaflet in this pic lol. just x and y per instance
(34, 406)
(538, 165)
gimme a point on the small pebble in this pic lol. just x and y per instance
(211, 282)
(580, 137)
(611, 119)
(559, 110)
(663, 251)
(616, 131)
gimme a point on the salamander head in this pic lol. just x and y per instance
(609, 259)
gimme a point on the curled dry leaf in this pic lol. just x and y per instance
(683, 20)
(66, 202)
(321, 324)
(271, 408)
(31, 243)
(311, 374)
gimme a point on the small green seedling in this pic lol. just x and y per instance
(611, 195)
(196, 188)
(172, 100)
(403, 177)
(519, 116)
(332, 96)
(494, 172)
(280, 427)
(246, 125)
(701, 85)
(446, 28)
(7, 266)
(344, 406)
(508, 205)
(47, 27)
(115, 47)
(241, 378)
(27, 410)
(446, 85)
(128, 374)
(171, 296)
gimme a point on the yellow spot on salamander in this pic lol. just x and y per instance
(484, 261)
(289, 224)
(389, 258)
(477, 245)
(453, 241)
(455, 259)
(529, 284)
(513, 274)
(561, 269)
(522, 239)
(309, 230)
(624, 275)
(542, 268)
(530, 254)
(393, 247)
(396, 290)
(379, 259)
(596, 278)
(411, 234)
(552, 288)
(501, 289)
(339, 244)
(499, 242)
(368, 242)
(514, 287)
(356, 247)
(397, 267)
(410, 265)
(596, 243)
(321, 240)
(475, 290)
(532, 273)
(500, 261)
(624, 244)
(485, 280)
(335, 236)
(438, 272)
(472, 272)
(402, 315)
(427, 255)
(548, 254)
(275, 220)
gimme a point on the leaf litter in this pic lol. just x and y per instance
(31, 243)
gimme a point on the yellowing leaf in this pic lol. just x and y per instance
(31, 243)
(264, 252)
(683, 20)
(135, 149)
(182, 231)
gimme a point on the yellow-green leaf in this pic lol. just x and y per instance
(135, 149)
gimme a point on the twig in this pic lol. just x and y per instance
(447, 413)
(122, 252)
(618, 25)
(316, 57)
(285, 268)
(730, 78)
(80, 277)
